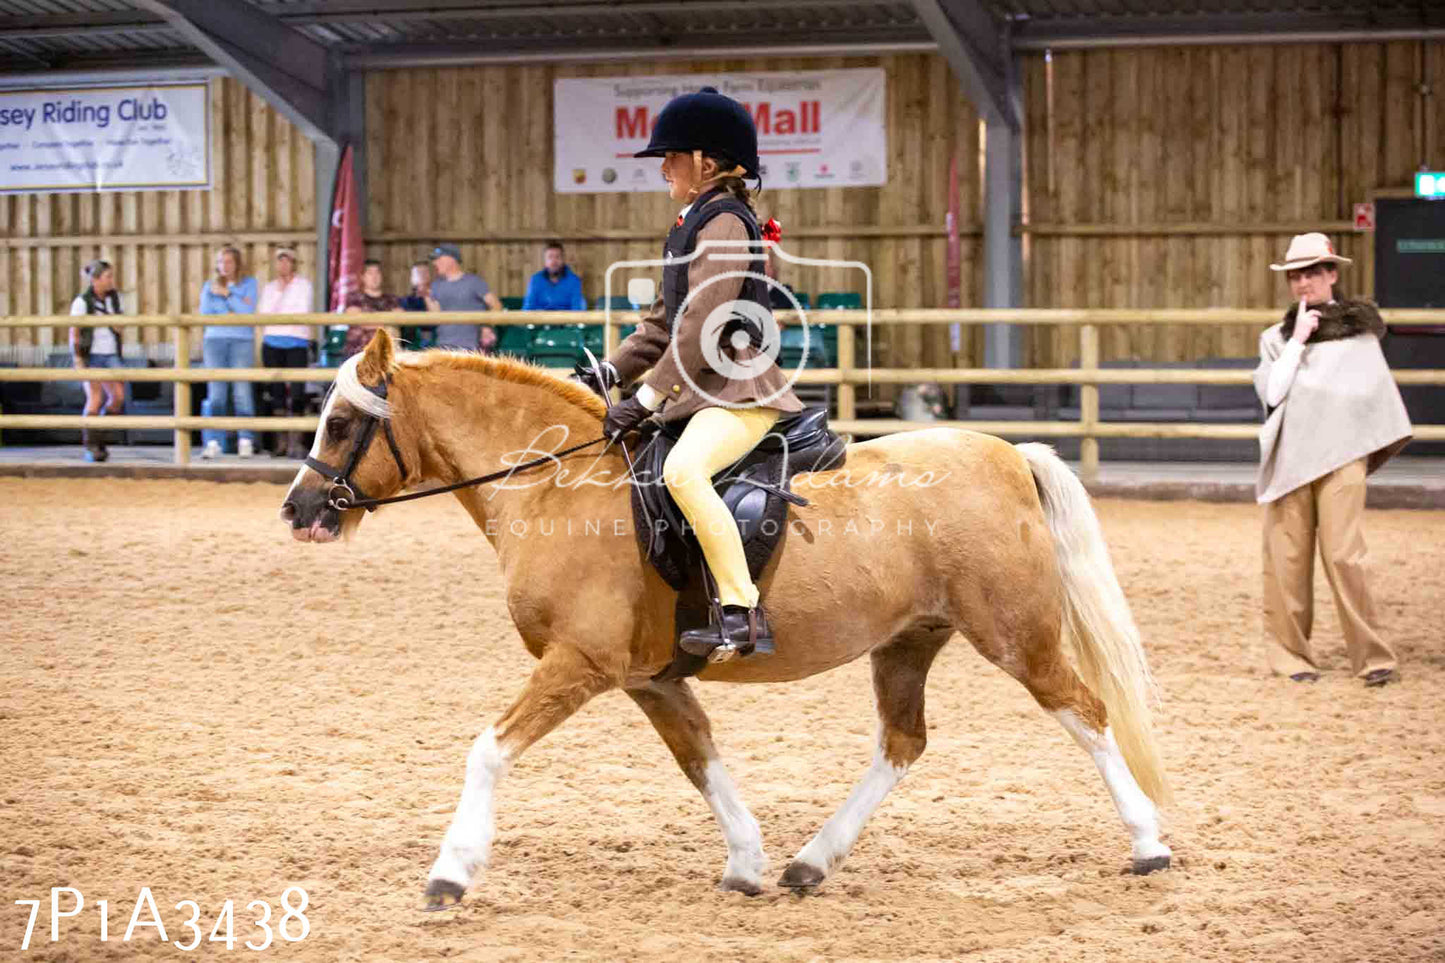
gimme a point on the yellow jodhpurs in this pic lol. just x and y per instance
(713, 440)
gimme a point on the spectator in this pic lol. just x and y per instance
(453, 289)
(369, 300)
(228, 346)
(97, 348)
(556, 287)
(1334, 416)
(420, 288)
(287, 345)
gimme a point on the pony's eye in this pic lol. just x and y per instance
(336, 427)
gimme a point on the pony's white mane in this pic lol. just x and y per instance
(352, 391)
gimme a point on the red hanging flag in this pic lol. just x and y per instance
(344, 247)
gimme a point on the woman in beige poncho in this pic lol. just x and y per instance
(1334, 416)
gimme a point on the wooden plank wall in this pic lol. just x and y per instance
(1155, 175)
(163, 243)
(1145, 171)
(465, 154)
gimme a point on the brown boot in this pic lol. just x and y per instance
(296, 446)
(743, 631)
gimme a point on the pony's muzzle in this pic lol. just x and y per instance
(310, 517)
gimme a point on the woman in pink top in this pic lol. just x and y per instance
(287, 345)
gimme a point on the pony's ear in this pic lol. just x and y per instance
(378, 358)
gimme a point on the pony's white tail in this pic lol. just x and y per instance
(1097, 619)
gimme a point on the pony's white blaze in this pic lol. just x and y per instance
(746, 861)
(316, 442)
(468, 841)
(827, 850)
(1138, 813)
(349, 388)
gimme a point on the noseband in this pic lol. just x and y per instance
(344, 493)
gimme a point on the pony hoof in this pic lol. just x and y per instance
(800, 875)
(1143, 867)
(735, 885)
(442, 894)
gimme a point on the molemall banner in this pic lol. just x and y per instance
(134, 138)
(816, 128)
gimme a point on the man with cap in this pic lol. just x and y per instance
(1334, 415)
(456, 290)
(287, 345)
(715, 380)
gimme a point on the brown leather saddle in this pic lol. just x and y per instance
(756, 491)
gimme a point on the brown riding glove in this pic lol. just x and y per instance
(623, 417)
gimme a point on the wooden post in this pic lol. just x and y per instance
(847, 392)
(1088, 405)
(183, 394)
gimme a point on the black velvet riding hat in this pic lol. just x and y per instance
(708, 121)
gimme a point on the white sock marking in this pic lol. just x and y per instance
(746, 860)
(468, 841)
(1135, 809)
(830, 847)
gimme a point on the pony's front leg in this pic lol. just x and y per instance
(676, 715)
(562, 682)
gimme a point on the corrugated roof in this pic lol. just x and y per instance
(68, 34)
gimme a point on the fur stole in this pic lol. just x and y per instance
(1339, 320)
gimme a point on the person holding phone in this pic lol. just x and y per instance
(1333, 416)
(231, 291)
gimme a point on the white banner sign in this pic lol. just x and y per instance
(136, 138)
(816, 128)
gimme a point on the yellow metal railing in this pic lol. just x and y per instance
(846, 376)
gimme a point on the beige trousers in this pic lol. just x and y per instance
(1328, 510)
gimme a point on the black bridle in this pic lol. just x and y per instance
(344, 493)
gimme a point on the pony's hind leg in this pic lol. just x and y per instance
(561, 683)
(1140, 817)
(1044, 671)
(900, 669)
(683, 725)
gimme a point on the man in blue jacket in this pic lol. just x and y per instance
(556, 287)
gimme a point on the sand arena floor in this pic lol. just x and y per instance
(194, 703)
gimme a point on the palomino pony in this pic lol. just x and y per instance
(915, 537)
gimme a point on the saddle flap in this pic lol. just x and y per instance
(801, 442)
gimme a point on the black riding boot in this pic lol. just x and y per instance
(744, 631)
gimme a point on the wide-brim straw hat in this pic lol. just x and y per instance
(1307, 249)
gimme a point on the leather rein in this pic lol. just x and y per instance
(345, 494)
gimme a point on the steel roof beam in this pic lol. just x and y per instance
(291, 71)
(976, 44)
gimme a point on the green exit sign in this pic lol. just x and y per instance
(1430, 184)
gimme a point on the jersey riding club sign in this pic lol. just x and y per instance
(816, 128)
(146, 137)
